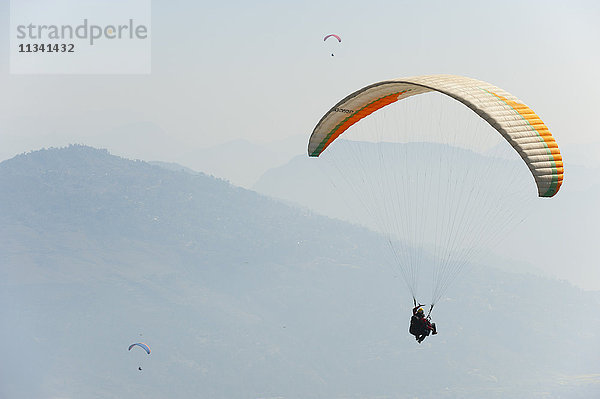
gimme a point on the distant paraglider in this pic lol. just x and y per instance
(339, 39)
(142, 345)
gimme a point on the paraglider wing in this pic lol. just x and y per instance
(515, 121)
(141, 345)
(336, 36)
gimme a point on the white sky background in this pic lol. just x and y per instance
(260, 71)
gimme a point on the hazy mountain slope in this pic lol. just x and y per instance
(241, 296)
(562, 228)
(239, 161)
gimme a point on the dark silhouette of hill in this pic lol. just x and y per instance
(239, 296)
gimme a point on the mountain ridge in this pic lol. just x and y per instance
(240, 295)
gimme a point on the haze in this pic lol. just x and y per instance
(234, 91)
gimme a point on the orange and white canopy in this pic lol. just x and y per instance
(515, 121)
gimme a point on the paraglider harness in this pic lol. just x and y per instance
(421, 326)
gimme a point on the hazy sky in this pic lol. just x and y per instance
(260, 70)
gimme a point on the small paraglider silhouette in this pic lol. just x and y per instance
(143, 346)
(339, 39)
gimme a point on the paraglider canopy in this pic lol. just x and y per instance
(440, 192)
(332, 35)
(515, 121)
(141, 345)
